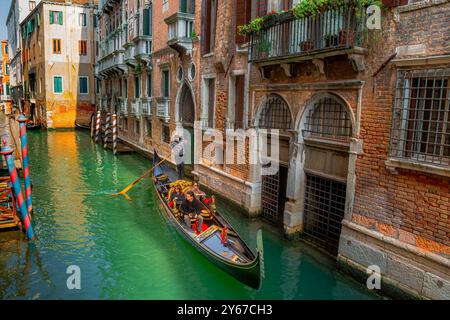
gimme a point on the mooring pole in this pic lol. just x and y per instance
(92, 126)
(7, 152)
(114, 133)
(97, 126)
(26, 168)
(107, 130)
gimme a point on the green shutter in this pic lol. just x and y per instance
(146, 22)
(52, 18)
(60, 18)
(38, 19)
(57, 85)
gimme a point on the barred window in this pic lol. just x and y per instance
(328, 119)
(421, 125)
(275, 114)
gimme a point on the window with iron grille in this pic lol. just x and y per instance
(275, 114)
(165, 133)
(421, 116)
(328, 119)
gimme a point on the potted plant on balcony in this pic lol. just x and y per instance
(346, 37)
(253, 26)
(264, 47)
(331, 40)
(306, 45)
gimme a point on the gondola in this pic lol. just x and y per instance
(81, 126)
(218, 242)
(33, 126)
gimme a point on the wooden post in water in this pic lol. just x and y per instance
(107, 130)
(97, 125)
(114, 133)
(92, 123)
(26, 168)
(7, 151)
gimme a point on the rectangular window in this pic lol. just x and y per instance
(165, 5)
(165, 85)
(209, 25)
(57, 46)
(137, 127)
(97, 86)
(125, 123)
(56, 17)
(165, 137)
(57, 84)
(84, 85)
(125, 87)
(7, 89)
(149, 128)
(421, 118)
(239, 89)
(32, 5)
(82, 47)
(7, 69)
(149, 85)
(209, 102)
(243, 16)
(82, 20)
(137, 87)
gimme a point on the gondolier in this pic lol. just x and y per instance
(178, 153)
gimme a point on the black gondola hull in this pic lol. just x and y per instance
(249, 274)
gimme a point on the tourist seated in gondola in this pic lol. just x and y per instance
(191, 208)
(176, 196)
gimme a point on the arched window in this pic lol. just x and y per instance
(275, 114)
(328, 118)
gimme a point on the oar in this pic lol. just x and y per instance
(124, 191)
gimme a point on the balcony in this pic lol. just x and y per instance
(181, 27)
(5, 97)
(123, 102)
(146, 106)
(136, 107)
(163, 108)
(112, 64)
(130, 53)
(286, 39)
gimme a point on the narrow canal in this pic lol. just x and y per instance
(124, 248)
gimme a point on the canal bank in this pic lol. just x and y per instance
(125, 249)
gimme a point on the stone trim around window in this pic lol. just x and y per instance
(392, 164)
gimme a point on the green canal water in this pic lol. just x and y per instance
(125, 249)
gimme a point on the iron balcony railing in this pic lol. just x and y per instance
(286, 36)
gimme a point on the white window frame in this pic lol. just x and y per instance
(62, 84)
(79, 87)
(80, 19)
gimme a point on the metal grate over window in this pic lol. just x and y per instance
(421, 116)
(324, 211)
(328, 119)
(269, 196)
(275, 115)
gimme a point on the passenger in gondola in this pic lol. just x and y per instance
(176, 197)
(191, 208)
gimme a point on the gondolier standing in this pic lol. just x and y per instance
(178, 153)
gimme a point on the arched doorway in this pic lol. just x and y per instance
(275, 114)
(326, 129)
(186, 119)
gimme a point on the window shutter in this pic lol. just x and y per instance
(183, 6)
(243, 16)
(38, 20)
(52, 18)
(60, 18)
(146, 22)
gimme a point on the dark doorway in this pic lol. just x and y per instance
(273, 195)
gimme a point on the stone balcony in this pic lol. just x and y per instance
(181, 27)
(146, 106)
(284, 39)
(163, 108)
(111, 64)
(136, 106)
(123, 102)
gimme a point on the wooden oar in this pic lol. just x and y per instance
(124, 191)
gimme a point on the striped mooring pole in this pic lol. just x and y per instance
(7, 152)
(97, 126)
(114, 133)
(107, 130)
(26, 167)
